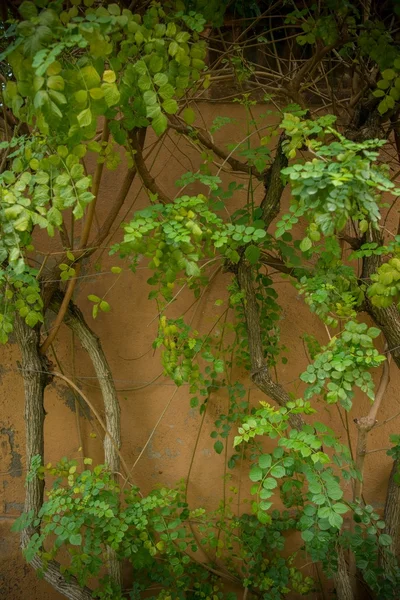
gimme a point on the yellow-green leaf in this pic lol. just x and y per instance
(90, 76)
(111, 93)
(81, 96)
(85, 117)
(56, 82)
(96, 93)
(189, 116)
(109, 76)
(54, 68)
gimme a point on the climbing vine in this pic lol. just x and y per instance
(304, 196)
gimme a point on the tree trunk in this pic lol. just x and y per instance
(91, 343)
(341, 579)
(260, 372)
(36, 377)
(388, 320)
(392, 510)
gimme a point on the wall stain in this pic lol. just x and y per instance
(68, 397)
(13, 507)
(150, 452)
(15, 469)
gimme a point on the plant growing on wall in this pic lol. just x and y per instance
(91, 79)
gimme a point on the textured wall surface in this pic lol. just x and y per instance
(127, 333)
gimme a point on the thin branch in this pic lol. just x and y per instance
(148, 180)
(365, 424)
(96, 414)
(95, 191)
(237, 165)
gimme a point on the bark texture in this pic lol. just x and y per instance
(392, 510)
(341, 579)
(90, 342)
(35, 374)
(260, 373)
(388, 320)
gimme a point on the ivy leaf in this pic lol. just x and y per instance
(159, 124)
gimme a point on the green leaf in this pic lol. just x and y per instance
(255, 473)
(160, 79)
(159, 124)
(90, 77)
(109, 76)
(85, 117)
(340, 508)
(41, 98)
(278, 471)
(305, 244)
(189, 116)
(75, 539)
(28, 10)
(81, 96)
(270, 483)
(263, 517)
(373, 332)
(385, 539)
(56, 82)
(335, 520)
(104, 306)
(307, 535)
(166, 91)
(383, 106)
(96, 93)
(218, 447)
(252, 254)
(156, 63)
(173, 48)
(170, 106)
(388, 74)
(111, 93)
(265, 461)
